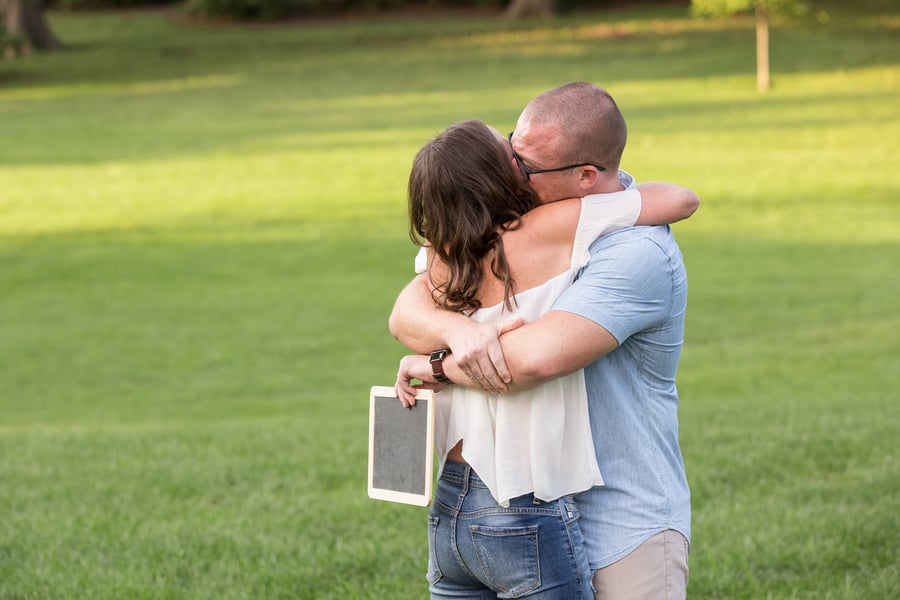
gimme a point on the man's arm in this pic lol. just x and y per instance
(628, 287)
(422, 327)
(556, 344)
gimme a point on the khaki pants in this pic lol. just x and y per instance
(656, 570)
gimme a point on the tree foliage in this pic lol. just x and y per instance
(724, 8)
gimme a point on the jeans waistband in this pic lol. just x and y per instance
(458, 472)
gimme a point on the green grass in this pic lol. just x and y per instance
(202, 231)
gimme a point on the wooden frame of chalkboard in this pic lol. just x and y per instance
(401, 447)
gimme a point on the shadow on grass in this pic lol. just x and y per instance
(160, 46)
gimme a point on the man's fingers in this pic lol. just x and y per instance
(484, 375)
(491, 379)
(469, 367)
(495, 353)
(498, 364)
(478, 354)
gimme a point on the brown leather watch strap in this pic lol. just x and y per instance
(437, 364)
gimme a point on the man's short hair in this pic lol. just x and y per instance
(590, 125)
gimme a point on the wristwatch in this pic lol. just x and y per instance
(437, 364)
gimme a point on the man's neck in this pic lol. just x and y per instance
(616, 181)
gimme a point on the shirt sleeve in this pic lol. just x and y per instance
(626, 287)
(602, 214)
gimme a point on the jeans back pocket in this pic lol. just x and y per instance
(509, 557)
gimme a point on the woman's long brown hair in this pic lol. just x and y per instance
(463, 193)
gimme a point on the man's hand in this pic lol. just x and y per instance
(415, 366)
(477, 352)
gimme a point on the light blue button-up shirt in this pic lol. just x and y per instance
(635, 287)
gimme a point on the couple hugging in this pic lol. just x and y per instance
(549, 315)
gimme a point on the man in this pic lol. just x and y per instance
(622, 321)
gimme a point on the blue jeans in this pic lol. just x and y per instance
(479, 549)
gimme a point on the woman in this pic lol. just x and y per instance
(503, 522)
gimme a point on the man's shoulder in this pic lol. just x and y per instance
(634, 251)
(636, 236)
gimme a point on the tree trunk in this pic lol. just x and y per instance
(25, 27)
(524, 9)
(762, 47)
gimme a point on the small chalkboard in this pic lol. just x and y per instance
(401, 447)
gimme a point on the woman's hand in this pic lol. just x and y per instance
(415, 367)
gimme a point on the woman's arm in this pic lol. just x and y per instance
(663, 203)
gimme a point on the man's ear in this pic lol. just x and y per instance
(588, 178)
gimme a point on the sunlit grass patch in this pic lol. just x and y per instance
(202, 231)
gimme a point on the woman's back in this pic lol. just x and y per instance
(538, 250)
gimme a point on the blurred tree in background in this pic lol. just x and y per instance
(762, 9)
(25, 28)
(270, 10)
(521, 9)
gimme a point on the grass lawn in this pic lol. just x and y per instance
(202, 231)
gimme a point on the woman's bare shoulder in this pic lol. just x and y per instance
(554, 220)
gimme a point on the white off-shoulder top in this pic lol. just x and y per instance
(537, 440)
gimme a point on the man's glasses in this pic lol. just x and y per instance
(529, 171)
